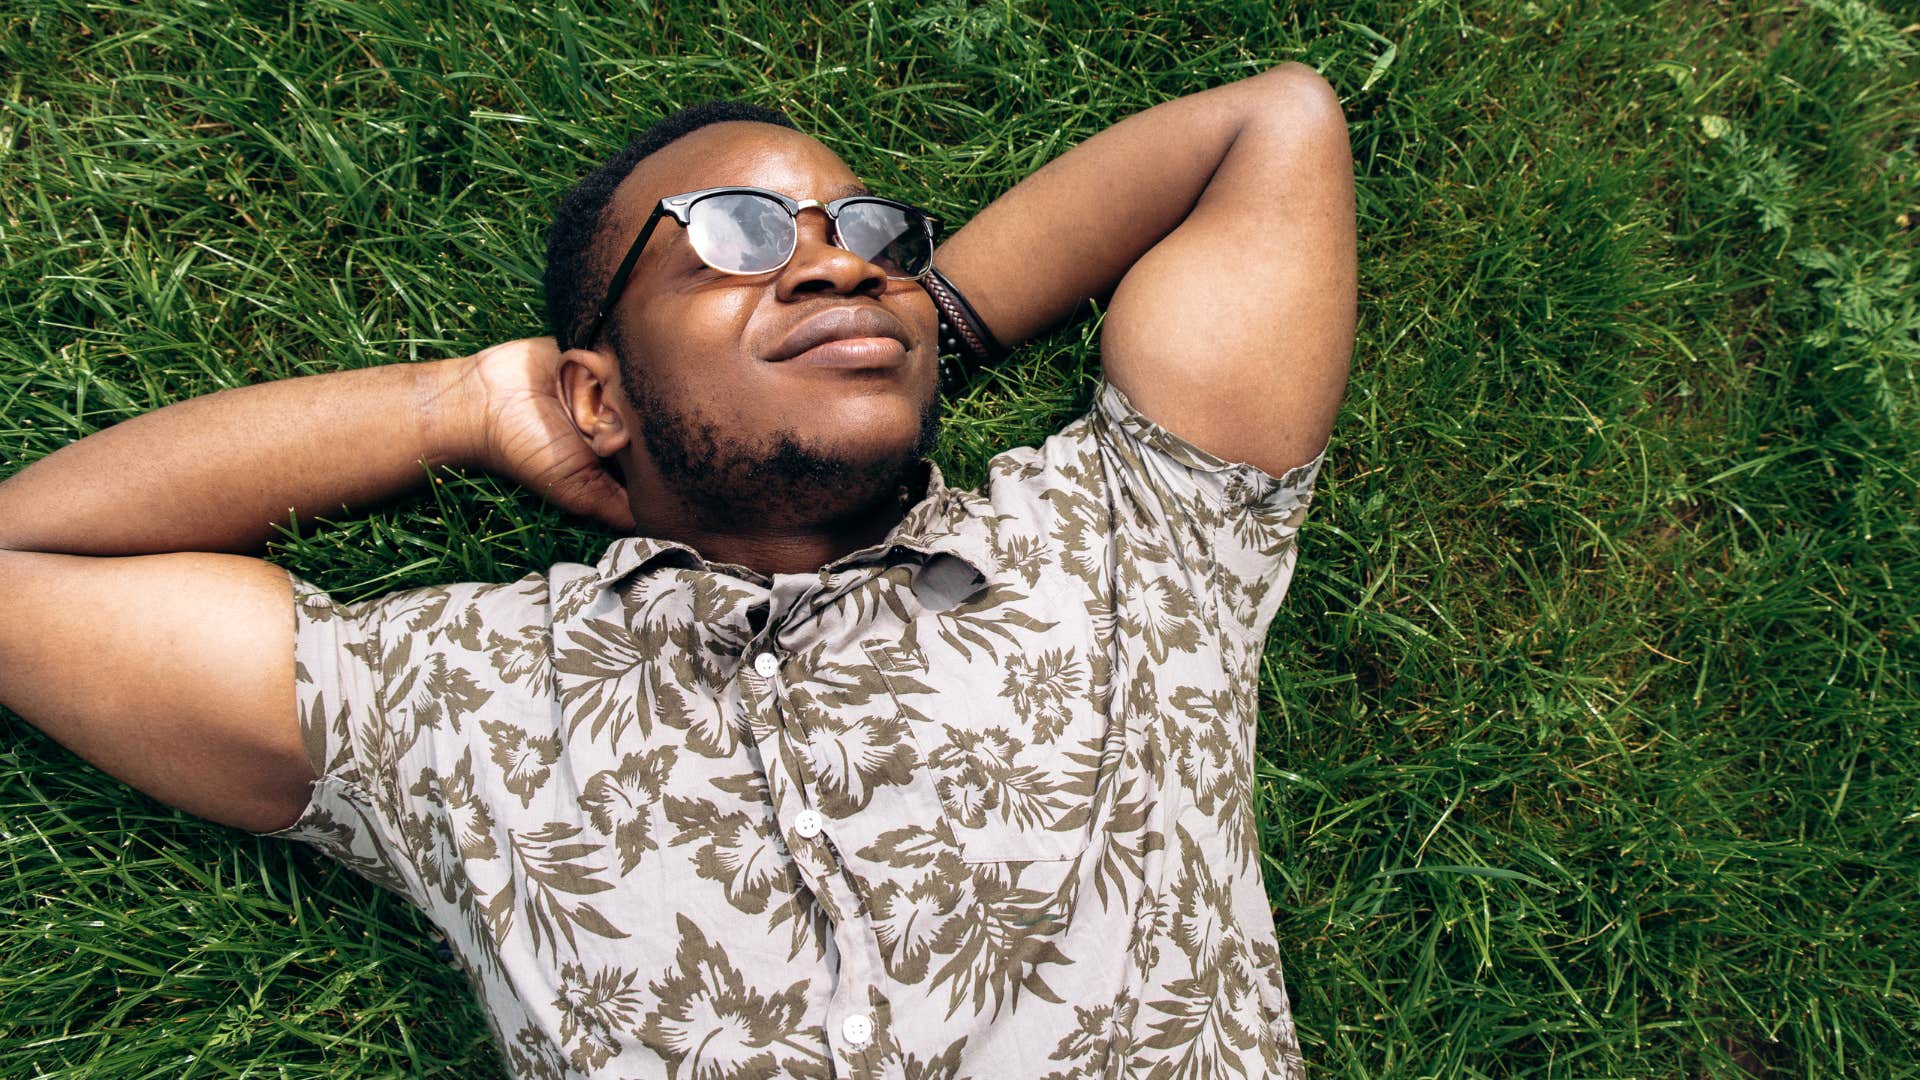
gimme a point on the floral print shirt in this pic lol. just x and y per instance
(972, 802)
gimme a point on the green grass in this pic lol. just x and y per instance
(1590, 743)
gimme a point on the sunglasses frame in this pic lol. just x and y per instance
(680, 206)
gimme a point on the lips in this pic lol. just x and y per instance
(841, 323)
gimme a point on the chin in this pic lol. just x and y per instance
(877, 428)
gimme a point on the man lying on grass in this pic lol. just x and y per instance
(824, 768)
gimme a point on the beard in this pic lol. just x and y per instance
(731, 481)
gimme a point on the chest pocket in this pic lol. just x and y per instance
(1003, 718)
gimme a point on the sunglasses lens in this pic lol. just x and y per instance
(740, 232)
(895, 239)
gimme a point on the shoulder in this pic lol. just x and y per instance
(1117, 454)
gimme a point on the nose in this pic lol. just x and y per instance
(821, 266)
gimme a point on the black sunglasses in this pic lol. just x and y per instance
(748, 230)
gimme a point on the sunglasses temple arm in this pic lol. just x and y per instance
(619, 283)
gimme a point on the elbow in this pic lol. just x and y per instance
(1299, 97)
(277, 799)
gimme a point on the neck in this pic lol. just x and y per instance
(800, 551)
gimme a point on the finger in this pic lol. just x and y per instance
(616, 510)
(598, 495)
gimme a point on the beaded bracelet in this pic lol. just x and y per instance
(966, 345)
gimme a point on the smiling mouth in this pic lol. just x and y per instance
(852, 352)
(845, 336)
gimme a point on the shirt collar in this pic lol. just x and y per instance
(942, 523)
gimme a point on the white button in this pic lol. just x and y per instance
(856, 1029)
(808, 823)
(766, 665)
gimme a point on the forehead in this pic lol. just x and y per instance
(734, 152)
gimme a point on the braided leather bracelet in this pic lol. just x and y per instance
(966, 345)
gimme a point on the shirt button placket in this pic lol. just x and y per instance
(808, 824)
(856, 1030)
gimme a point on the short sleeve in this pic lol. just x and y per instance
(346, 661)
(1234, 520)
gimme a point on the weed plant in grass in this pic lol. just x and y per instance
(1589, 741)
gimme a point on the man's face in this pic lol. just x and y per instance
(729, 417)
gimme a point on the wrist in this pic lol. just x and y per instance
(966, 346)
(450, 412)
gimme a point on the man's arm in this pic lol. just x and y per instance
(174, 672)
(172, 669)
(217, 473)
(1222, 227)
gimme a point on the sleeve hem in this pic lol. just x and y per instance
(1121, 412)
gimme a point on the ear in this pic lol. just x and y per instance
(591, 393)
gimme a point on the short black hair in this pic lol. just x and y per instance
(574, 282)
